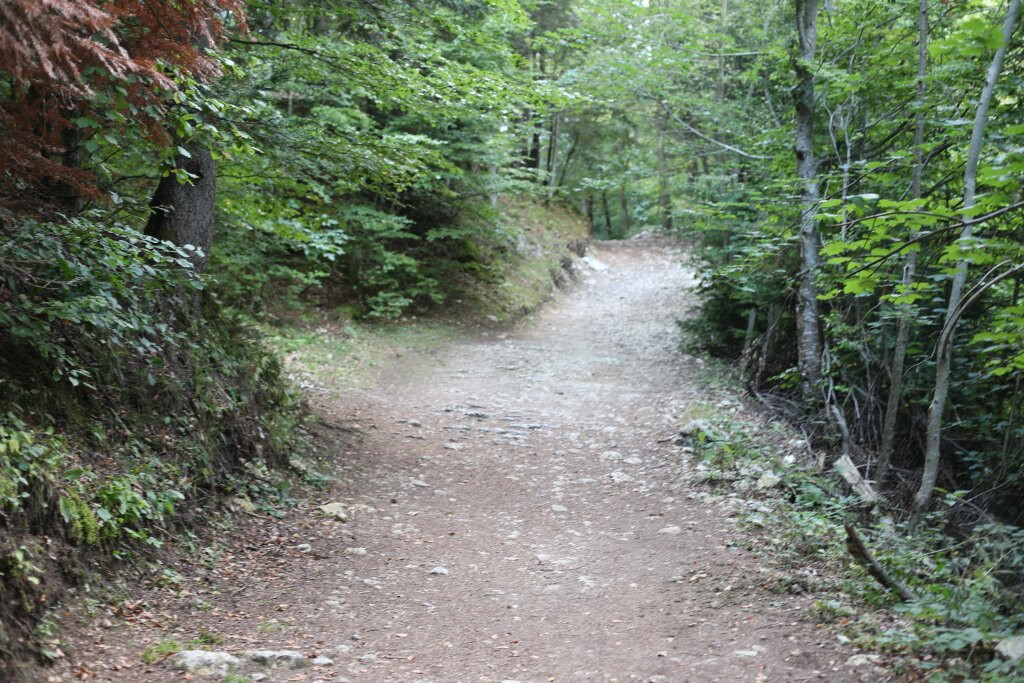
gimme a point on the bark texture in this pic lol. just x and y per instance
(808, 316)
(183, 213)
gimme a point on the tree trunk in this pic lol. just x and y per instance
(553, 156)
(720, 83)
(664, 195)
(899, 353)
(944, 352)
(624, 206)
(607, 214)
(808, 317)
(182, 213)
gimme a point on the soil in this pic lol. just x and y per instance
(519, 511)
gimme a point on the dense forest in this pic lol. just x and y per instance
(178, 178)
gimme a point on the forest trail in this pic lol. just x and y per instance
(519, 512)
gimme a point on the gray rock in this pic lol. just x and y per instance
(768, 480)
(671, 530)
(335, 511)
(277, 659)
(204, 662)
(355, 551)
(439, 571)
(258, 676)
(559, 508)
(620, 477)
(861, 660)
(322, 661)
(1011, 648)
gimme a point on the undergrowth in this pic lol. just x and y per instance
(967, 586)
(128, 402)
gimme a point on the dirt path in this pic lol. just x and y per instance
(530, 521)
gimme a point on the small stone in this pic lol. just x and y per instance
(277, 659)
(335, 511)
(355, 551)
(1011, 648)
(304, 547)
(420, 483)
(204, 662)
(671, 530)
(611, 455)
(322, 661)
(559, 508)
(439, 571)
(258, 676)
(454, 446)
(620, 477)
(768, 480)
(633, 461)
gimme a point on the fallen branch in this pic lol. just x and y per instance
(855, 546)
(846, 467)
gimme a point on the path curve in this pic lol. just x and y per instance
(526, 518)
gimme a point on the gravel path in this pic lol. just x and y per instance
(519, 512)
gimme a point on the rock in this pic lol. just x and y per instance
(454, 446)
(1011, 648)
(420, 483)
(594, 264)
(322, 661)
(304, 547)
(439, 571)
(258, 676)
(620, 477)
(355, 551)
(633, 461)
(861, 660)
(559, 508)
(204, 662)
(611, 455)
(361, 509)
(335, 511)
(768, 480)
(695, 430)
(277, 659)
(671, 530)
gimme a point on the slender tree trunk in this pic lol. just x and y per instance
(664, 194)
(183, 213)
(624, 206)
(607, 214)
(808, 316)
(944, 352)
(553, 155)
(720, 83)
(899, 354)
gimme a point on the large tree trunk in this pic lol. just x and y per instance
(808, 317)
(944, 352)
(182, 213)
(899, 354)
